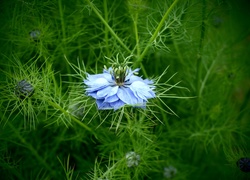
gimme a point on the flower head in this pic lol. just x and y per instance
(244, 164)
(35, 35)
(119, 86)
(132, 159)
(169, 172)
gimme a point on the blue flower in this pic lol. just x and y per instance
(117, 87)
(133, 159)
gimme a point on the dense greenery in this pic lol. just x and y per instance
(196, 51)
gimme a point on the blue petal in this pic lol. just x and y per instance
(111, 99)
(93, 94)
(132, 79)
(152, 94)
(96, 81)
(104, 92)
(113, 91)
(109, 70)
(147, 81)
(107, 92)
(131, 73)
(141, 105)
(116, 105)
(96, 84)
(103, 105)
(141, 90)
(91, 79)
(127, 96)
(95, 89)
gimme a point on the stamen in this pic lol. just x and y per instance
(119, 74)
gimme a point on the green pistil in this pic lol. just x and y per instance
(120, 74)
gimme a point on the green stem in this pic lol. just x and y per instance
(62, 19)
(106, 35)
(144, 71)
(202, 86)
(57, 106)
(199, 59)
(108, 27)
(64, 34)
(135, 20)
(154, 36)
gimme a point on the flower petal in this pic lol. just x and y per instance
(132, 79)
(104, 92)
(130, 73)
(117, 104)
(94, 89)
(142, 90)
(97, 84)
(103, 105)
(105, 75)
(93, 94)
(147, 81)
(141, 105)
(107, 91)
(111, 99)
(113, 91)
(109, 70)
(127, 96)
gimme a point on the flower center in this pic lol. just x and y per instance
(120, 74)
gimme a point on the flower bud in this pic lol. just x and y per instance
(24, 89)
(244, 164)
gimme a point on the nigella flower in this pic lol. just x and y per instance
(133, 159)
(169, 172)
(117, 87)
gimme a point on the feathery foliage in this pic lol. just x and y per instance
(184, 115)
